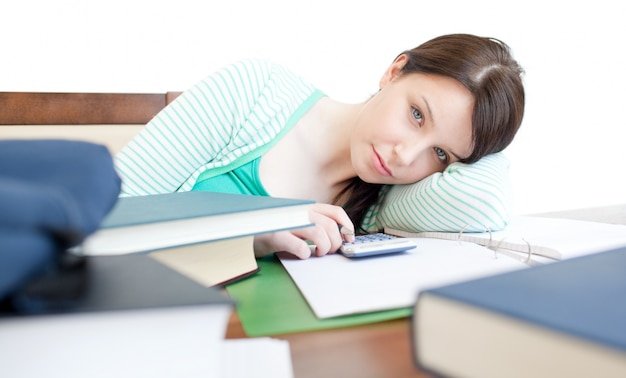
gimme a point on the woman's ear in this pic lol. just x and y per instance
(393, 71)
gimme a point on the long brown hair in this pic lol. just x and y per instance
(487, 69)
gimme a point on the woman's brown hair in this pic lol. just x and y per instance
(487, 69)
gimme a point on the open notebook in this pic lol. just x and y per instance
(335, 285)
(554, 238)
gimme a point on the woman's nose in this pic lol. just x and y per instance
(408, 150)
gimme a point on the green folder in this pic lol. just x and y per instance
(269, 303)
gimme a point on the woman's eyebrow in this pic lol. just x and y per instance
(455, 155)
(428, 110)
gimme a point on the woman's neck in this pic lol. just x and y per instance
(316, 151)
(334, 124)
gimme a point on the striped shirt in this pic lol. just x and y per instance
(226, 120)
(238, 113)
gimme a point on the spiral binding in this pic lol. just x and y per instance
(497, 246)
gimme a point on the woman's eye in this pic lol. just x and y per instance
(442, 155)
(417, 115)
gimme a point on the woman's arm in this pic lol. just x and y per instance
(208, 126)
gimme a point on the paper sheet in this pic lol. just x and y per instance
(336, 285)
(261, 357)
(269, 303)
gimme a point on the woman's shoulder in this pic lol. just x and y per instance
(254, 66)
(262, 72)
(258, 65)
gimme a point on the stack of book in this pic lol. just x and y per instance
(207, 236)
(133, 317)
(144, 301)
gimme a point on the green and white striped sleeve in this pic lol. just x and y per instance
(224, 117)
(470, 197)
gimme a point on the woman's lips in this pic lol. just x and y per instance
(380, 165)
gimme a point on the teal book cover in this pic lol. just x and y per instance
(166, 207)
(153, 222)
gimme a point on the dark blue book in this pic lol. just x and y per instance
(563, 319)
(153, 222)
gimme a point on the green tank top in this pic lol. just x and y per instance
(242, 180)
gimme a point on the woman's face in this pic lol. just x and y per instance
(416, 125)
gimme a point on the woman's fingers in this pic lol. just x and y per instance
(324, 234)
(336, 213)
(265, 244)
(319, 237)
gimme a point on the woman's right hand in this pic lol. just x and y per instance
(324, 234)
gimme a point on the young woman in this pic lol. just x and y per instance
(256, 128)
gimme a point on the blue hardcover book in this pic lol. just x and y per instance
(153, 222)
(563, 319)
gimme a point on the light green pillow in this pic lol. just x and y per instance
(469, 197)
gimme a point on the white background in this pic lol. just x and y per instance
(568, 154)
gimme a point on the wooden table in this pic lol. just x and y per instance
(372, 350)
(379, 350)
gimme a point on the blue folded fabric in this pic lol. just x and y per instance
(53, 194)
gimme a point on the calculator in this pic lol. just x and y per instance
(376, 244)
